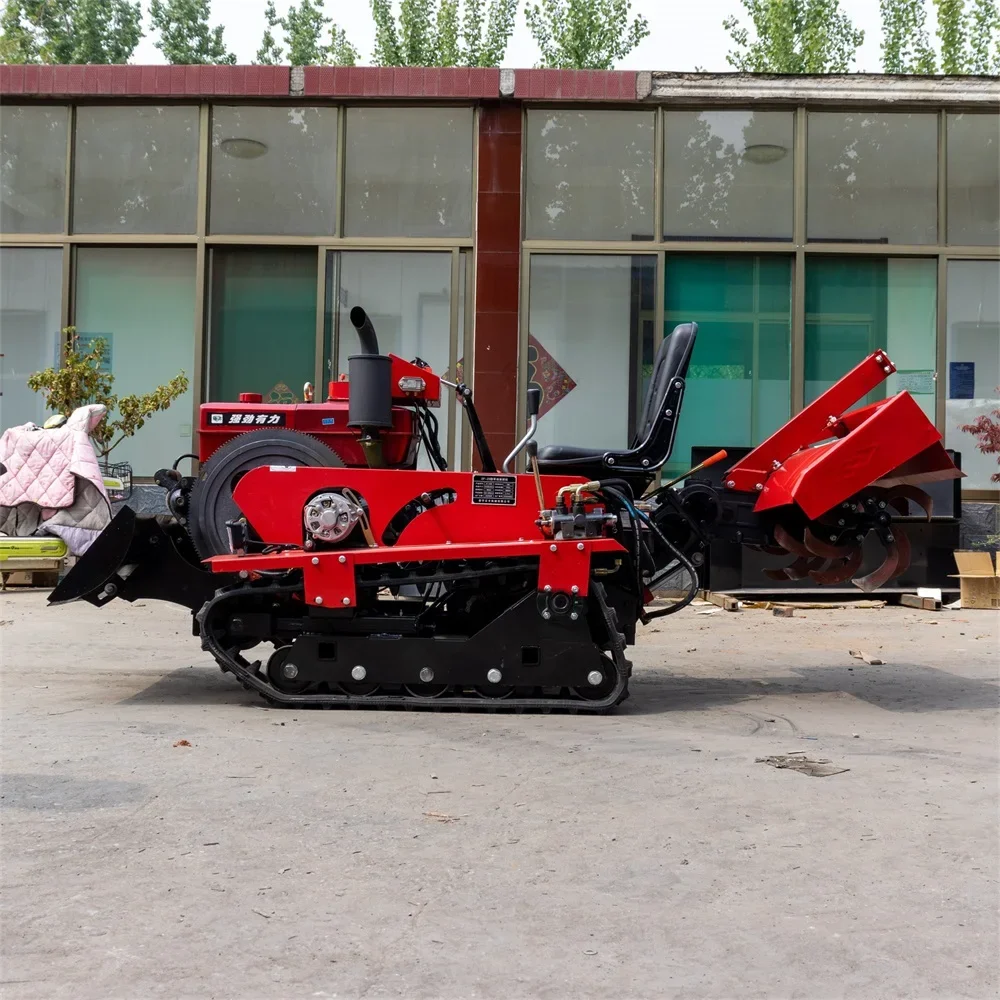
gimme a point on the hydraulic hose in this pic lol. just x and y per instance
(677, 554)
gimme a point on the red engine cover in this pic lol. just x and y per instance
(221, 422)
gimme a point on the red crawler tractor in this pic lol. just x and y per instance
(310, 528)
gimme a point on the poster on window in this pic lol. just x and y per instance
(962, 380)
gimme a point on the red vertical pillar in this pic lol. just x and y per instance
(498, 257)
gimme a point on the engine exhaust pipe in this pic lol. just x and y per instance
(370, 395)
(366, 332)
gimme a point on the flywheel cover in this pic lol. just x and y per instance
(212, 503)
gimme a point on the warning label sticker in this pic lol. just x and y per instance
(489, 488)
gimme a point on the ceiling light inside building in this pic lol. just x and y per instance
(243, 149)
(765, 152)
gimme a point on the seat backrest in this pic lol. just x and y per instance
(671, 362)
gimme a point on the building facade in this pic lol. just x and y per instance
(511, 227)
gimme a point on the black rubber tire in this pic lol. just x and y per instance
(212, 495)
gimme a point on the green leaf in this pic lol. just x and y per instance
(442, 32)
(793, 36)
(69, 31)
(185, 35)
(80, 380)
(584, 34)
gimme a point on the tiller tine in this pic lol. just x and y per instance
(790, 543)
(838, 574)
(903, 546)
(904, 494)
(819, 548)
(798, 570)
(886, 571)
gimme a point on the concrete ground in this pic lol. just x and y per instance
(644, 854)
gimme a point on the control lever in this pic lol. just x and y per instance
(534, 402)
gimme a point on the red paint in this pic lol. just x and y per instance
(398, 444)
(330, 582)
(874, 443)
(431, 393)
(273, 501)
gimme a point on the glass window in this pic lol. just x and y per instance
(30, 307)
(136, 170)
(33, 169)
(590, 335)
(973, 387)
(872, 178)
(274, 170)
(737, 390)
(141, 301)
(855, 305)
(974, 180)
(408, 172)
(727, 174)
(408, 297)
(589, 175)
(263, 323)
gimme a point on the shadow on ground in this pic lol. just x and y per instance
(901, 688)
(65, 793)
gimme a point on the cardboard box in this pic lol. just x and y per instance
(979, 580)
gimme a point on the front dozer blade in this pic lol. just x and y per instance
(136, 558)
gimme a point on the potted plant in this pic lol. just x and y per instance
(84, 378)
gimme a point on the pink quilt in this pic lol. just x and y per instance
(42, 465)
(51, 482)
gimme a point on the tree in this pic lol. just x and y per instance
(84, 378)
(906, 47)
(185, 36)
(442, 32)
(303, 28)
(794, 36)
(968, 33)
(69, 31)
(584, 34)
(986, 429)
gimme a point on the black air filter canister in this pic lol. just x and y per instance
(370, 396)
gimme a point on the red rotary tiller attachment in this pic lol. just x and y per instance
(832, 475)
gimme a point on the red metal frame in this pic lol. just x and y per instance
(870, 445)
(273, 498)
(329, 576)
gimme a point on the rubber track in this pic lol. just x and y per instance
(252, 680)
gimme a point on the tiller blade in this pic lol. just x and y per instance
(832, 474)
(886, 571)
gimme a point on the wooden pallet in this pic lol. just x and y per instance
(18, 572)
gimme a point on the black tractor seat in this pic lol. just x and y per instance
(654, 436)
